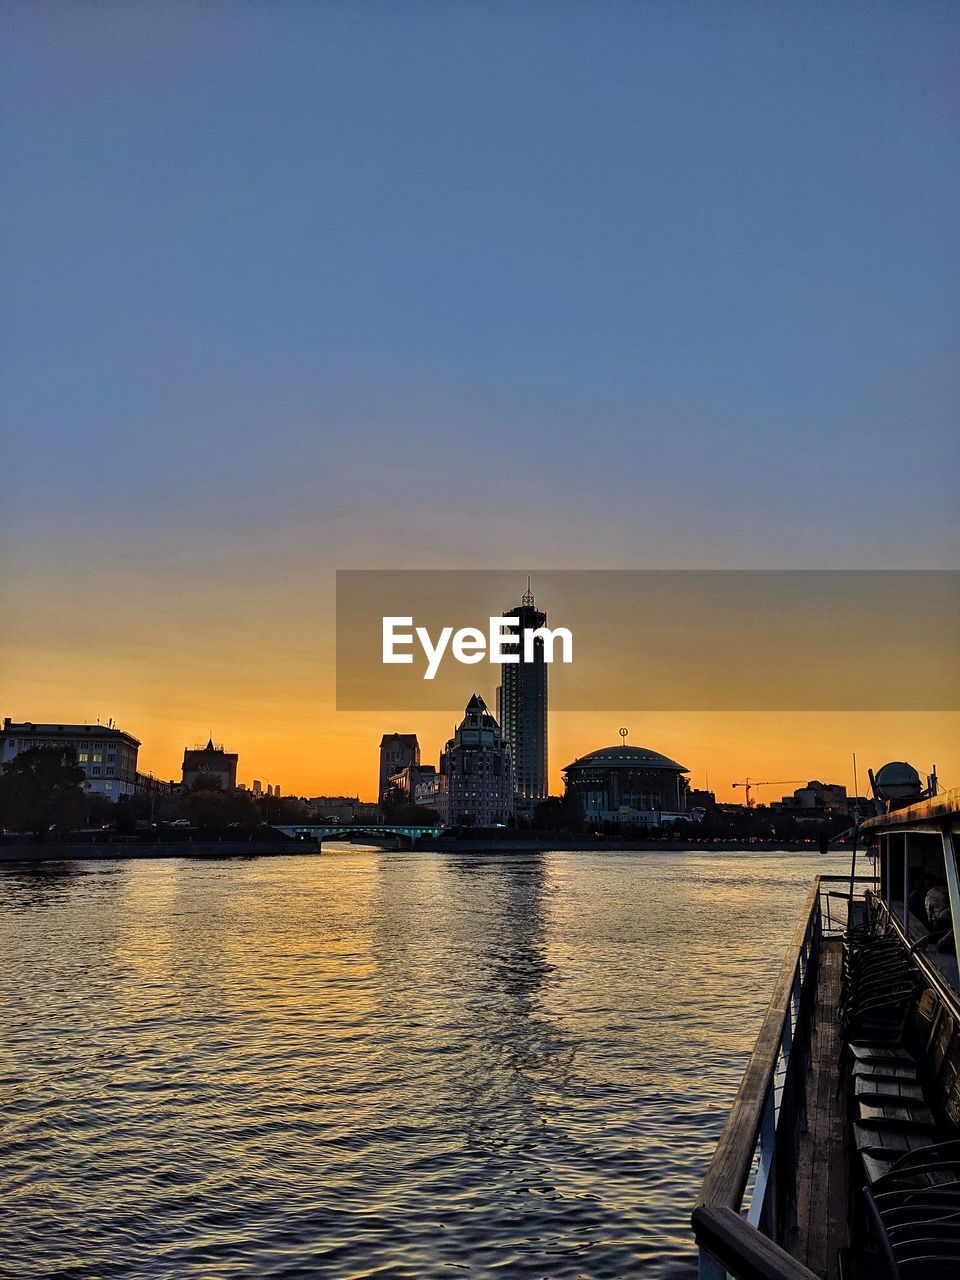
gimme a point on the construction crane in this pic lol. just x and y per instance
(749, 784)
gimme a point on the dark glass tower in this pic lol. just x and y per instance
(522, 711)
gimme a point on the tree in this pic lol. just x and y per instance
(395, 799)
(417, 815)
(400, 811)
(558, 813)
(169, 807)
(282, 811)
(242, 810)
(128, 812)
(99, 811)
(206, 808)
(42, 788)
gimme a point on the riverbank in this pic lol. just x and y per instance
(120, 850)
(586, 844)
(117, 850)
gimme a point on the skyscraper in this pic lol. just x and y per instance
(522, 710)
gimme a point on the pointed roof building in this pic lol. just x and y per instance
(210, 763)
(476, 776)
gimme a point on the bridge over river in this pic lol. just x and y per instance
(405, 836)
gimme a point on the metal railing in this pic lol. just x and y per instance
(746, 1211)
(929, 972)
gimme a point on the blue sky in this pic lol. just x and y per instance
(636, 283)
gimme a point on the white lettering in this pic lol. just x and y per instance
(433, 654)
(469, 645)
(502, 631)
(547, 636)
(391, 640)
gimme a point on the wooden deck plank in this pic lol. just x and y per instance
(822, 1184)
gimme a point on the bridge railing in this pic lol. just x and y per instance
(327, 831)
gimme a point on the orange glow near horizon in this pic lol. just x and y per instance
(310, 749)
(253, 664)
(337, 753)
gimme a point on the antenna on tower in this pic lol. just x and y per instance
(528, 594)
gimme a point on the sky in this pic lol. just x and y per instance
(296, 287)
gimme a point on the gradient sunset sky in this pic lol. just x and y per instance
(298, 286)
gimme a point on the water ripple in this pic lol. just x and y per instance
(375, 1066)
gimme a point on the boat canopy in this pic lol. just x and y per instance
(918, 850)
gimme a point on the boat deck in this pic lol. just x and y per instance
(782, 1192)
(822, 1173)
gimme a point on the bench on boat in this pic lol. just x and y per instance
(897, 1064)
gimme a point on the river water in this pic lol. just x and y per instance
(376, 1064)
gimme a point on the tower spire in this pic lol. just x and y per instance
(528, 594)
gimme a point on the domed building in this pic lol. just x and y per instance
(476, 775)
(628, 784)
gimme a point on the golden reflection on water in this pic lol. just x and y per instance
(407, 1063)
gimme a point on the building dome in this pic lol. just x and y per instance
(623, 757)
(628, 784)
